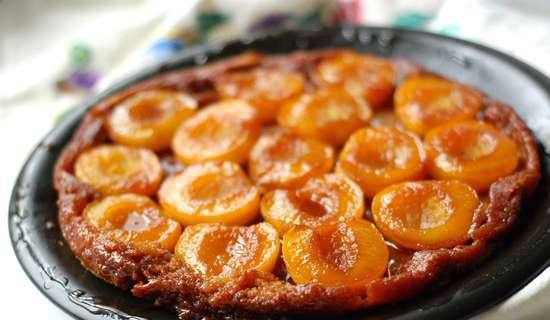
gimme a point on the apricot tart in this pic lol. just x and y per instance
(306, 183)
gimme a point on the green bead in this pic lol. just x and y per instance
(450, 30)
(412, 20)
(80, 55)
(206, 21)
(314, 17)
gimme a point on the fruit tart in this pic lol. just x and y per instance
(305, 183)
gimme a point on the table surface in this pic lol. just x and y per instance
(21, 299)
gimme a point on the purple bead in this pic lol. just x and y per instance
(270, 22)
(84, 79)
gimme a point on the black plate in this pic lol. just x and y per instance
(516, 260)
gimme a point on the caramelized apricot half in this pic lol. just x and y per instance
(471, 151)
(324, 199)
(215, 250)
(372, 78)
(133, 218)
(349, 253)
(281, 159)
(224, 131)
(210, 192)
(424, 102)
(264, 89)
(426, 214)
(330, 114)
(385, 118)
(378, 157)
(116, 169)
(149, 118)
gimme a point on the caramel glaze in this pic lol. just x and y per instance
(153, 273)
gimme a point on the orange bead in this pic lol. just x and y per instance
(281, 159)
(149, 118)
(424, 102)
(210, 192)
(426, 214)
(133, 218)
(264, 89)
(325, 199)
(115, 169)
(224, 131)
(471, 151)
(350, 253)
(371, 77)
(215, 250)
(378, 157)
(330, 114)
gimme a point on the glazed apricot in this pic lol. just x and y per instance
(149, 118)
(426, 214)
(471, 151)
(424, 102)
(264, 89)
(385, 118)
(330, 114)
(116, 169)
(281, 159)
(349, 253)
(210, 192)
(133, 218)
(224, 131)
(324, 199)
(372, 78)
(215, 250)
(378, 157)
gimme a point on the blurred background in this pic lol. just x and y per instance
(55, 53)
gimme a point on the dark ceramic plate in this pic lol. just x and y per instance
(515, 260)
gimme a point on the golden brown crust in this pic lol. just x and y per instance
(151, 272)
